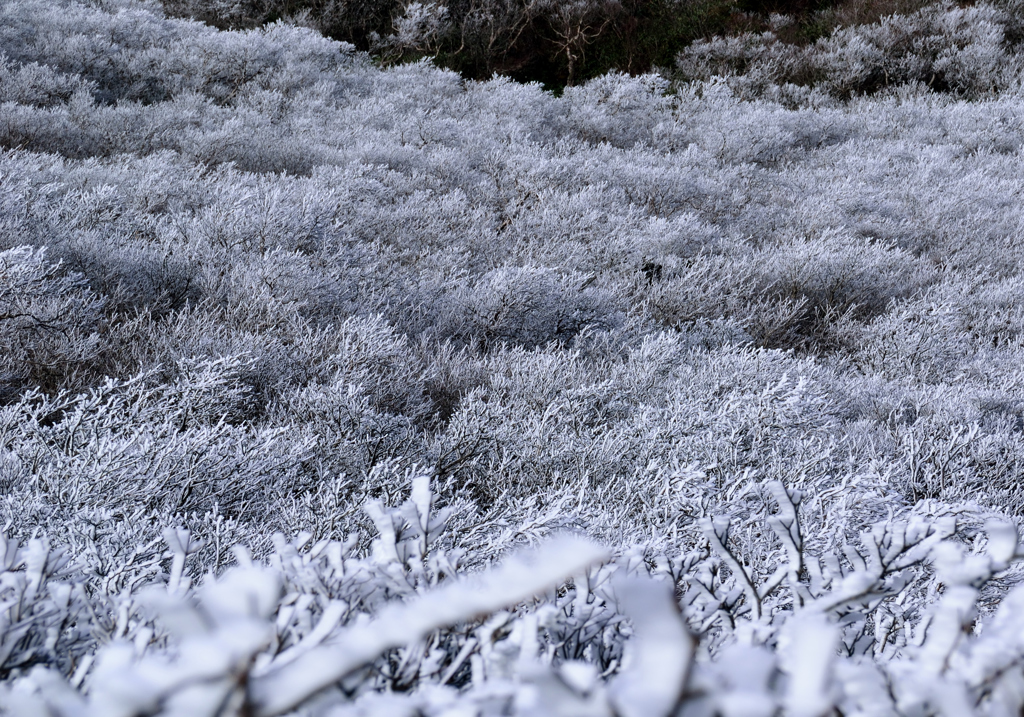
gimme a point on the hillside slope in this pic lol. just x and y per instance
(254, 286)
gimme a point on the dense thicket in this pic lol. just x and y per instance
(556, 42)
(970, 52)
(551, 41)
(759, 337)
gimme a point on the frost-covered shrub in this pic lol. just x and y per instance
(48, 322)
(617, 110)
(282, 284)
(37, 85)
(798, 294)
(319, 626)
(960, 50)
(923, 340)
(134, 278)
(170, 448)
(560, 42)
(523, 307)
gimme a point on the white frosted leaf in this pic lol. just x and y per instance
(519, 578)
(660, 651)
(1002, 540)
(809, 651)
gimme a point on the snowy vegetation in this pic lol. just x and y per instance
(557, 42)
(334, 389)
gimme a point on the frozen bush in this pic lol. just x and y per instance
(256, 283)
(295, 632)
(526, 307)
(560, 42)
(48, 322)
(617, 109)
(35, 84)
(946, 48)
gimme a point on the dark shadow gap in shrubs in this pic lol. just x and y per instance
(555, 43)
